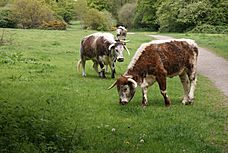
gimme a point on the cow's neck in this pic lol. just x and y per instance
(134, 74)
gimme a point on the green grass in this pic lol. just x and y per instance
(46, 106)
(215, 42)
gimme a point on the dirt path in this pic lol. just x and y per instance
(211, 66)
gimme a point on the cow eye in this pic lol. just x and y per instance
(117, 50)
(125, 89)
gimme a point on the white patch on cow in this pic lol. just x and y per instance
(107, 36)
(148, 81)
(118, 31)
(189, 41)
(122, 28)
(138, 53)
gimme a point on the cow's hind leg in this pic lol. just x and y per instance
(95, 66)
(192, 75)
(185, 83)
(83, 67)
(161, 79)
(193, 78)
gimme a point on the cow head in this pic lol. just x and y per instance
(117, 49)
(121, 32)
(126, 88)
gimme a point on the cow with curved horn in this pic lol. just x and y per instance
(121, 33)
(154, 62)
(102, 49)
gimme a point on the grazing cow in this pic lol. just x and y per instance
(156, 60)
(121, 33)
(103, 50)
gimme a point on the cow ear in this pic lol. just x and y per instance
(111, 46)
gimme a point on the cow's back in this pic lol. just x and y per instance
(170, 57)
(88, 47)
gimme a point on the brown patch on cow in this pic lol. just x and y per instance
(164, 59)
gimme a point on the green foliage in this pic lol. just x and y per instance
(205, 28)
(65, 9)
(126, 15)
(167, 15)
(96, 20)
(145, 16)
(10, 58)
(54, 25)
(100, 4)
(3, 3)
(81, 9)
(6, 19)
(179, 16)
(23, 129)
(30, 13)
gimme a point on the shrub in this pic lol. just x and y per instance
(97, 20)
(54, 25)
(205, 28)
(6, 20)
(30, 13)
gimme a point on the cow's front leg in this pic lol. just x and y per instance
(112, 66)
(162, 85)
(102, 72)
(144, 93)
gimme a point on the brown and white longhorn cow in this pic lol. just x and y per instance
(153, 62)
(102, 49)
(121, 33)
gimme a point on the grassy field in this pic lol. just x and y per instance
(46, 106)
(215, 42)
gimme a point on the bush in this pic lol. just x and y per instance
(54, 25)
(205, 28)
(96, 20)
(30, 13)
(6, 20)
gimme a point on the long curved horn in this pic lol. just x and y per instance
(113, 85)
(110, 47)
(132, 81)
(125, 47)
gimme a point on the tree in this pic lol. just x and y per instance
(126, 14)
(145, 16)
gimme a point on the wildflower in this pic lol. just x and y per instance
(113, 129)
(141, 141)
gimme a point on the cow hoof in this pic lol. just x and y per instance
(189, 102)
(168, 105)
(83, 75)
(102, 76)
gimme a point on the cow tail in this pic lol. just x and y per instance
(79, 65)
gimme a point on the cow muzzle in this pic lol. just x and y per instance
(123, 102)
(120, 59)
